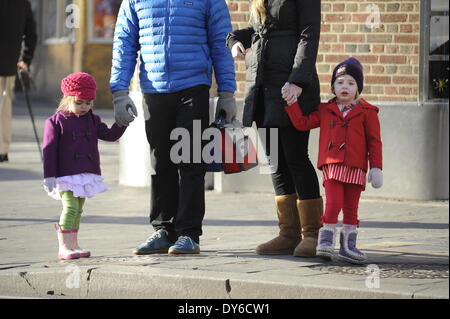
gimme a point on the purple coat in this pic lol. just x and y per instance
(71, 143)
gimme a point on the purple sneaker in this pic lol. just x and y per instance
(326, 242)
(348, 251)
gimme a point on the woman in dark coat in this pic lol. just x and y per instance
(280, 49)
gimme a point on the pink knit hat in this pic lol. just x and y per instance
(81, 85)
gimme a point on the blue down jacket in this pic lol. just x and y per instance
(180, 41)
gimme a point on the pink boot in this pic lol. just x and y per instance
(64, 240)
(74, 245)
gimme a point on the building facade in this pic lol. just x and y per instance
(74, 35)
(403, 45)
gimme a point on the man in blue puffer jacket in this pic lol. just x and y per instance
(181, 42)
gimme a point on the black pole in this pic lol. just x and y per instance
(24, 77)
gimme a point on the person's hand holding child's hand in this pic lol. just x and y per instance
(124, 109)
(238, 51)
(291, 92)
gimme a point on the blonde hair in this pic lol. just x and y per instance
(258, 11)
(63, 105)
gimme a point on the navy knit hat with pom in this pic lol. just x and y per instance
(351, 67)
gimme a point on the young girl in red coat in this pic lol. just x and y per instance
(349, 139)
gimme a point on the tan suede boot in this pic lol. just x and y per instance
(310, 211)
(290, 229)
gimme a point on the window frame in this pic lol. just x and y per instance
(61, 17)
(90, 19)
(425, 22)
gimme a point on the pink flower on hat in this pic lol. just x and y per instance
(81, 85)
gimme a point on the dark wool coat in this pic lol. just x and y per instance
(282, 50)
(16, 25)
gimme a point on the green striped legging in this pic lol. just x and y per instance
(72, 209)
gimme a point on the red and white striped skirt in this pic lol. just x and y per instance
(344, 174)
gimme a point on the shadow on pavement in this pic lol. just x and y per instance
(136, 220)
(18, 174)
(403, 225)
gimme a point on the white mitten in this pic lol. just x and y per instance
(375, 177)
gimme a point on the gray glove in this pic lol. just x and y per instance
(49, 184)
(375, 177)
(226, 104)
(124, 109)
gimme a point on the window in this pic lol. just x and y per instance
(435, 50)
(58, 20)
(102, 20)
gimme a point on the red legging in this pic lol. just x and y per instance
(341, 196)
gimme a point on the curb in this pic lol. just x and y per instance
(122, 283)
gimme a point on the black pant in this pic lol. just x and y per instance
(177, 189)
(295, 172)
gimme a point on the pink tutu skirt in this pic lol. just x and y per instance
(84, 185)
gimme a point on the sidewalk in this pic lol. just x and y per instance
(406, 242)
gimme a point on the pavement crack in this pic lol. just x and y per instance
(88, 279)
(228, 287)
(89, 272)
(23, 274)
(414, 294)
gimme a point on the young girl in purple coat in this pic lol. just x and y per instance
(71, 157)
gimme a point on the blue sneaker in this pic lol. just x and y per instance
(184, 245)
(157, 243)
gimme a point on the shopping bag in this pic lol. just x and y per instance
(238, 152)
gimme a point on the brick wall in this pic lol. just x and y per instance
(389, 51)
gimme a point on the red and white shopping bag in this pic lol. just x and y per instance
(238, 152)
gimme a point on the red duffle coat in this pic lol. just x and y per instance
(352, 141)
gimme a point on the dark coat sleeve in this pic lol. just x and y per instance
(308, 13)
(243, 35)
(29, 36)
